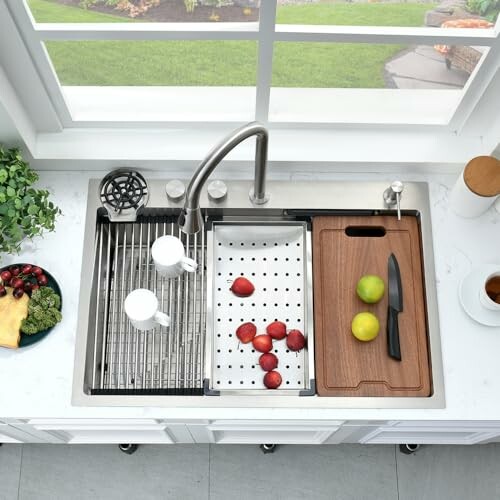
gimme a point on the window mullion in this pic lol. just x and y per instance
(146, 31)
(265, 59)
(384, 34)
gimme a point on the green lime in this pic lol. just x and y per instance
(365, 326)
(370, 288)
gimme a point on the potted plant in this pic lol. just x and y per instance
(25, 212)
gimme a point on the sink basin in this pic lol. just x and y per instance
(115, 365)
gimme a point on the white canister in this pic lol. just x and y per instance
(466, 203)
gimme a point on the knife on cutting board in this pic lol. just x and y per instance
(395, 307)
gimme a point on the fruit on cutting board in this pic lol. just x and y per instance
(242, 287)
(12, 312)
(246, 332)
(272, 380)
(277, 330)
(370, 288)
(295, 340)
(365, 326)
(268, 361)
(262, 343)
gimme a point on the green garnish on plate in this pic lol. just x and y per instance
(43, 311)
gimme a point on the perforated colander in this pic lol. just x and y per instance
(276, 258)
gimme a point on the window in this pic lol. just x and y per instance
(288, 64)
(278, 63)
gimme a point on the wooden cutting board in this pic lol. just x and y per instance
(344, 249)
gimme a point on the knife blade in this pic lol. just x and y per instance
(395, 307)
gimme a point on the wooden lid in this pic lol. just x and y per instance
(482, 175)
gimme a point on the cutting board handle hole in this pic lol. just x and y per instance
(365, 231)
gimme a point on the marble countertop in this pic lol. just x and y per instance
(36, 381)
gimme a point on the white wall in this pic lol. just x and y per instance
(9, 135)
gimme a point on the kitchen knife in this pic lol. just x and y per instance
(395, 307)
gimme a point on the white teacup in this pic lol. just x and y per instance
(141, 307)
(170, 258)
(485, 299)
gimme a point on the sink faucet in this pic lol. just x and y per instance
(190, 220)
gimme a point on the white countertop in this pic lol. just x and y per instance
(36, 382)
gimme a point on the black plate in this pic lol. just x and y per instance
(27, 340)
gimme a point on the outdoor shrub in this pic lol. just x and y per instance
(486, 8)
(190, 5)
(133, 8)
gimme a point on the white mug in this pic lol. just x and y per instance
(170, 258)
(141, 307)
(484, 298)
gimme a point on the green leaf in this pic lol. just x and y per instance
(11, 192)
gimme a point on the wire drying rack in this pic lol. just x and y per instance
(163, 360)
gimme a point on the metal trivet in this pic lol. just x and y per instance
(276, 257)
(123, 192)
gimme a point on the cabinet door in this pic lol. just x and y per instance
(431, 433)
(258, 432)
(140, 431)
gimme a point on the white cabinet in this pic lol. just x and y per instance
(260, 432)
(443, 432)
(141, 431)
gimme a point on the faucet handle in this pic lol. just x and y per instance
(175, 190)
(217, 190)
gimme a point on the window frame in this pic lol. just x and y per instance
(60, 131)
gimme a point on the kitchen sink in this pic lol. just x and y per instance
(116, 365)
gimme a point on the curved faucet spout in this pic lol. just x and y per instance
(190, 220)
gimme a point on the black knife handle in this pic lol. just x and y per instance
(393, 334)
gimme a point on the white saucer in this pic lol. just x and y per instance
(468, 293)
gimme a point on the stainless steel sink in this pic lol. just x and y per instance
(118, 366)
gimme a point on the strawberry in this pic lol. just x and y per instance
(277, 330)
(268, 361)
(272, 380)
(262, 343)
(295, 340)
(246, 332)
(241, 287)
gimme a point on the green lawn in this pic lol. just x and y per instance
(231, 62)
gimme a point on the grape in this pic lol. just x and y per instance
(28, 287)
(17, 283)
(18, 293)
(5, 276)
(42, 280)
(3, 291)
(27, 268)
(34, 287)
(36, 271)
(15, 270)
